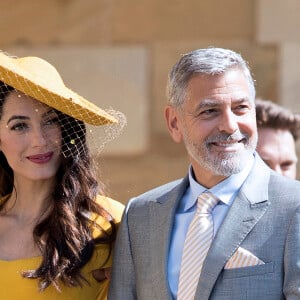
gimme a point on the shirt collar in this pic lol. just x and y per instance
(226, 190)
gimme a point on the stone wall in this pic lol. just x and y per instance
(278, 24)
(118, 53)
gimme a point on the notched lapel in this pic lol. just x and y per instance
(249, 206)
(162, 213)
(239, 221)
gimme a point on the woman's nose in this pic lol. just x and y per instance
(39, 138)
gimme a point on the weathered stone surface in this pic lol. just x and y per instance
(56, 22)
(144, 20)
(289, 79)
(278, 21)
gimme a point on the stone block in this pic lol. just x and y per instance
(174, 20)
(278, 21)
(289, 88)
(56, 22)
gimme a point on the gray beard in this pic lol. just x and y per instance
(224, 164)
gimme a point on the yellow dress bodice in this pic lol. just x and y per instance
(14, 286)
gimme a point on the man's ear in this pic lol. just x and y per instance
(173, 120)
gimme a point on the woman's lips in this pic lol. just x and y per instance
(40, 158)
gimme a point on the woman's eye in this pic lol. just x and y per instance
(52, 121)
(19, 127)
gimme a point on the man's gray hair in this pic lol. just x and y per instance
(208, 61)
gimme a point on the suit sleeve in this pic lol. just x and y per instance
(291, 286)
(122, 284)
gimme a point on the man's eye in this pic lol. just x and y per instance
(208, 111)
(242, 108)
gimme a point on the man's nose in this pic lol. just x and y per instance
(228, 122)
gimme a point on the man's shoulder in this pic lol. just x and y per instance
(277, 178)
(158, 192)
(284, 193)
(284, 184)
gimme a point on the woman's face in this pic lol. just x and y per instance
(30, 137)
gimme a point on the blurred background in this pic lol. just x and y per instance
(117, 53)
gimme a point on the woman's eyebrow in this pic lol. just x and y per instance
(16, 117)
(50, 112)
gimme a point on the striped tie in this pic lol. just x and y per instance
(196, 245)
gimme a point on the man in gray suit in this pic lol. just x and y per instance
(254, 251)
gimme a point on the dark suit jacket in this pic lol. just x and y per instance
(264, 219)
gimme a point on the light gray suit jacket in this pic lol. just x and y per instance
(264, 219)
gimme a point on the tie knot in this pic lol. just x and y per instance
(206, 202)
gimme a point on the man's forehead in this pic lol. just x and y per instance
(232, 82)
(236, 99)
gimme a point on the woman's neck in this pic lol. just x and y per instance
(29, 200)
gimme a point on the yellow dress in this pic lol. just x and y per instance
(13, 286)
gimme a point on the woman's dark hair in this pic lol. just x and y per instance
(6, 173)
(64, 236)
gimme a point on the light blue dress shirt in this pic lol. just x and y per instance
(225, 191)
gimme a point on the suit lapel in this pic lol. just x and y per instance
(249, 206)
(162, 213)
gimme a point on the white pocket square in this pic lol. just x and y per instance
(242, 258)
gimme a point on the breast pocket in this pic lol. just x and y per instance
(265, 269)
(249, 283)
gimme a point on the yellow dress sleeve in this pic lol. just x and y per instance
(116, 210)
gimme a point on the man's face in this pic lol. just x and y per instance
(217, 124)
(277, 148)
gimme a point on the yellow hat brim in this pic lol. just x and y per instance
(38, 79)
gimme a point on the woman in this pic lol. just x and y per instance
(56, 231)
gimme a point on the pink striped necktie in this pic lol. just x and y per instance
(196, 245)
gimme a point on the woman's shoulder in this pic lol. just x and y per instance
(115, 211)
(113, 207)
